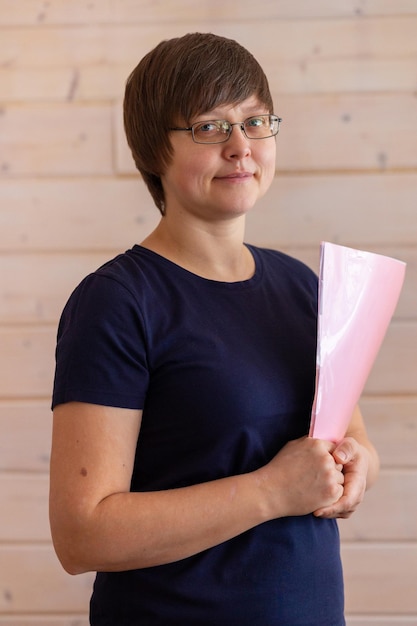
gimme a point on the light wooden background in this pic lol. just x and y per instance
(344, 77)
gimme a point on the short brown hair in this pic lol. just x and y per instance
(177, 80)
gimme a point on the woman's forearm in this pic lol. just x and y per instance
(134, 530)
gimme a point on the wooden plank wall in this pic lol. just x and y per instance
(344, 78)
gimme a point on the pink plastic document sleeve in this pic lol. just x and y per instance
(358, 293)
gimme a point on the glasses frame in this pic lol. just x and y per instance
(274, 117)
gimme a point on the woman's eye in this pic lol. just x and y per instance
(207, 127)
(255, 121)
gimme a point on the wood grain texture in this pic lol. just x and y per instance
(370, 211)
(25, 436)
(46, 620)
(392, 425)
(54, 140)
(95, 82)
(381, 620)
(24, 506)
(299, 40)
(91, 60)
(26, 367)
(343, 77)
(51, 590)
(314, 127)
(381, 578)
(30, 12)
(377, 521)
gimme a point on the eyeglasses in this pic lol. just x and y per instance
(219, 131)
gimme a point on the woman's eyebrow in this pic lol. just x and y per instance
(218, 115)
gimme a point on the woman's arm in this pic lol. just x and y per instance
(98, 524)
(360, 463)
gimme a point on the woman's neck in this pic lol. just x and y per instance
(216, 252)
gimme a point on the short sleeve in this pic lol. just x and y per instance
(101, 352)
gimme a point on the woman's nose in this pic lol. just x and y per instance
(237, 146)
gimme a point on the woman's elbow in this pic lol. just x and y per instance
(69, 549)
(71, 562)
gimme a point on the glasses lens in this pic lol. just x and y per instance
(261, 126)
(212, 131)
(218, 131)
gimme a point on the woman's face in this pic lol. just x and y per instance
(224, 180)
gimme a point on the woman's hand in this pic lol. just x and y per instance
(360, 466)
(354, 459)
(303, 477)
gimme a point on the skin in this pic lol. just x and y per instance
(96, 523)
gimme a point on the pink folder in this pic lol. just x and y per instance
(358, 293)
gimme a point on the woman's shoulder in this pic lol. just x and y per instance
(110, 286)
(125, 272)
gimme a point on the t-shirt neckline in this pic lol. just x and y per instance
(249, 282)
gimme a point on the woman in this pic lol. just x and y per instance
(181, 471)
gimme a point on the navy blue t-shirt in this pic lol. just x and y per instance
(224, 373)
